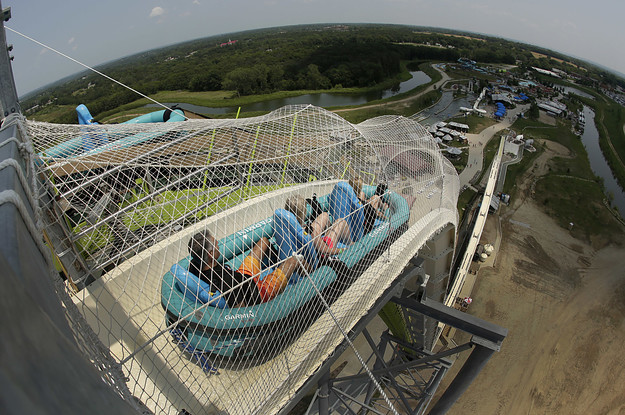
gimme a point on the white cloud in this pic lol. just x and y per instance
(43, 51)
(157, 11)
(71, 40)
(196, 2)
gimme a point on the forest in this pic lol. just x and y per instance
(291, 58)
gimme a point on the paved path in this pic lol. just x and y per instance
(477, 142)
(438, 85)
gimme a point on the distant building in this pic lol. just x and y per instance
(546, 72)
(458, 126)
(550, 108)
(501, 98)
(526, 83)
(512, 147)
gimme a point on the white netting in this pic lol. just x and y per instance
(129, 197)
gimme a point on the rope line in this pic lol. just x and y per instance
(135, 199)
(90, 68)
(348, 340)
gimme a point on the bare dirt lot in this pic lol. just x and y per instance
(563, 301)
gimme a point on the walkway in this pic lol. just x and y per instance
(436, 85)
(476, 233)
(477, 142)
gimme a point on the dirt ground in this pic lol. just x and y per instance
(563, 302)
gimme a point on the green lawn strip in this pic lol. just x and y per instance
(475, 122)
(463, 200)
(51, 113)
(359, 115)
(576, 165)
(172, 205)
(580, 201)
(570, 192)
(490, 149)
(515, 170)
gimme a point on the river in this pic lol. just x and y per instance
(321, 100)
(598, 164)
(571, 90)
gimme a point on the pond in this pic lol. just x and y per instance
(598, 164)
(320, 100)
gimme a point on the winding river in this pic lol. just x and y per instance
(598, 164)
(321, 100)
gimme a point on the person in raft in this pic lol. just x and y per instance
(241, 287)
(325, 237)
(374, 207)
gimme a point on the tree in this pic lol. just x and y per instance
(205, 82)
(239, 80)
(314, 79)
(533, 113)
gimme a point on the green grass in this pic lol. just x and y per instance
(569, 192)
(578, 201)
(431, 72)
(51, 113)
(475, 122)
(462, 74)
(463, 200)
(172, 205)
(358, 115)
(609, 120)
(576, 165)
(489, 154)
(516, 170)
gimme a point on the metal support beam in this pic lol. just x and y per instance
(469, 371)
(323, 398)
(412, 271)
(431, 389)
(9, 103)
(487, 338)
(456, 318)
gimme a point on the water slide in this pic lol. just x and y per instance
(245, 170)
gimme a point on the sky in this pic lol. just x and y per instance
(95, 31)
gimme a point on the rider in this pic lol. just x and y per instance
(374, 207)
(241, 287)
(325, 237)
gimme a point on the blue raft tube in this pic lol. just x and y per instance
(92, 141)
(233, 338)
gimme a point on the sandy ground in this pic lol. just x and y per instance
(563, 302)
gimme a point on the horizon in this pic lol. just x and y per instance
(140, 27)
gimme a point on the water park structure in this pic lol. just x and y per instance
(98, 219)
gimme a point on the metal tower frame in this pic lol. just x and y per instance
(407, 371)
(9, 103)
